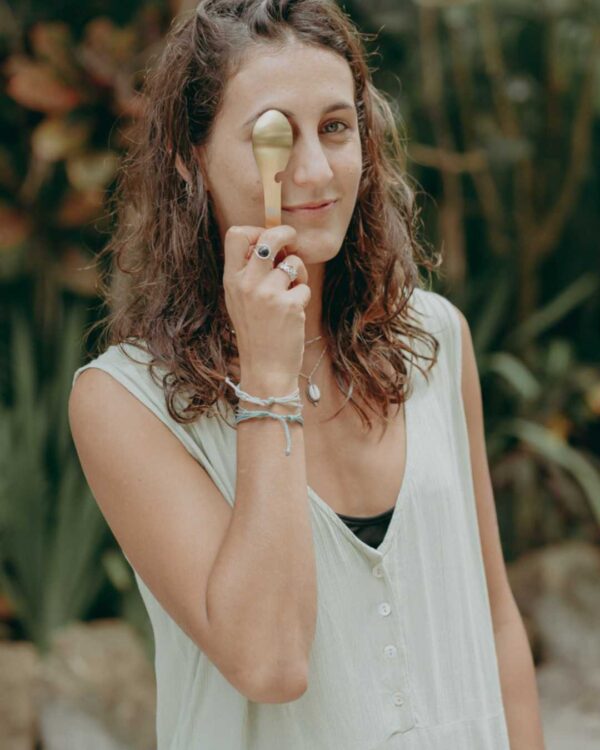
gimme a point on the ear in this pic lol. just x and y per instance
(200, 154)
(185, 172)
(182, 169)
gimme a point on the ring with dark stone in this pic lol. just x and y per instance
(264, 252)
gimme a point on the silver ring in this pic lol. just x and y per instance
(289, 269)
(263, 251)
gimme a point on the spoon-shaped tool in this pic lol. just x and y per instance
(272, 141)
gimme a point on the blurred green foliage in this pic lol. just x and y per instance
(499, 105)
(51, 530)
(500, 100)
(70, 75)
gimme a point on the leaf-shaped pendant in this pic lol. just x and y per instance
(313, 393)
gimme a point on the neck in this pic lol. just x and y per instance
(313, 326)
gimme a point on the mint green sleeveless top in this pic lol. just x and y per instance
(404, 655)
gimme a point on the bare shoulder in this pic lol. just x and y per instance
(166, 513)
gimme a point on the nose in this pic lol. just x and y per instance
(308, 164)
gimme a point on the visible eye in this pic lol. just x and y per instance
(336, 122)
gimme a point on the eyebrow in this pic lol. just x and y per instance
(331, 108)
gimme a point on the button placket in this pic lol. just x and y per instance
(404, 719)
(390, 651)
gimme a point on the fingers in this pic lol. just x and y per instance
(276, 238)
(281, 279)
(300, 294)
(240, 242)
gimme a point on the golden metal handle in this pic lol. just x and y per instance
(272, 141)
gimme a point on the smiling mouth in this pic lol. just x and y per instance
(308, 209)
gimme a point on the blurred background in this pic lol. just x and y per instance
(498, 102)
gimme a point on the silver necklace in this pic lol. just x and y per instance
(313, 392)
(310, 341)
(306, 343)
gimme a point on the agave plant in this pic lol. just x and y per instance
(541, 402)
(52, 533)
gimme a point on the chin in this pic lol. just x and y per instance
(316, 248)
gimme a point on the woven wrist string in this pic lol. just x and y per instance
(293, 399)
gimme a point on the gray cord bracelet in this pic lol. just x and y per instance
(292, 399)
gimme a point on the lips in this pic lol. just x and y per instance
(309, 206)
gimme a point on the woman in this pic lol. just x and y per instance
(322, 591)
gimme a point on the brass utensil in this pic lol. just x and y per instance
(272, 141)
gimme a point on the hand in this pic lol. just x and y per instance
(268, 313)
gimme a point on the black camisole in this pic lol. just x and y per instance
(370, 529)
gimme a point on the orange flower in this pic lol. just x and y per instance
(35, 86)
(560, 425)
(78, 208)
(14, 227)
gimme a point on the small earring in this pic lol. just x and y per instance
(189, 188)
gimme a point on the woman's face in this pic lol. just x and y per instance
(315, 89)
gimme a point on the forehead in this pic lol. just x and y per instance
(292, 74)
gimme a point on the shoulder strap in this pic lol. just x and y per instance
(440, 318)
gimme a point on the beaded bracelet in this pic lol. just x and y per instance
(293, 399)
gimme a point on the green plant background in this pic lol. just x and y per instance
(498, 102)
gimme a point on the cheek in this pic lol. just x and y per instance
(350, 177)
(350, 169)
(237, 188)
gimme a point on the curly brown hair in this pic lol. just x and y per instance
(168, 248)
